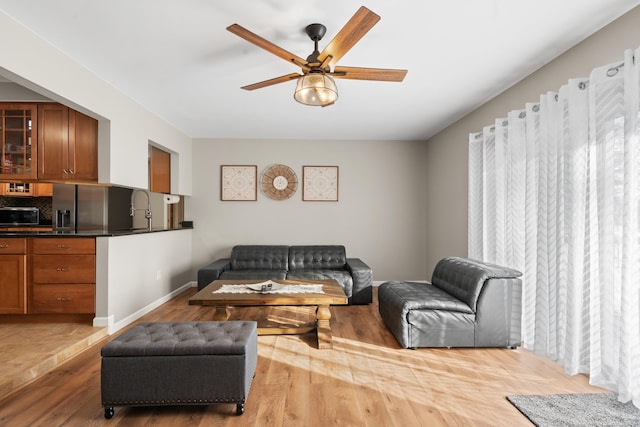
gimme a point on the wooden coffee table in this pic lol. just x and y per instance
(333, 295)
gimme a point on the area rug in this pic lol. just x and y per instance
(567, 410)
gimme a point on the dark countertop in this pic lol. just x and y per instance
(85, 233)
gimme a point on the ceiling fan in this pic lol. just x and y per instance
(315, 85)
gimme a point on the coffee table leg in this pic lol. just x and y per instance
(323, 325)
(222, 313)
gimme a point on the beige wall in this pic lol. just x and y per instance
(134, 271)
(379, 216)
(446, 160)
(125, 127)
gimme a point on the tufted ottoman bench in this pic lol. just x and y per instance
(181, 363)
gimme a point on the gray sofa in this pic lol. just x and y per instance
(468, 303)
(316, 262)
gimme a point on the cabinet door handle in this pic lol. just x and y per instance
(71, 171)
(61, 269)
(62, 246)
(4, 246)
(63, 299)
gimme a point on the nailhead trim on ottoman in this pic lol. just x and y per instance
(180, 363)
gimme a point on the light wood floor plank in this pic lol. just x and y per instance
(366, 380)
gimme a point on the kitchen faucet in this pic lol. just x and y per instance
(147, 211)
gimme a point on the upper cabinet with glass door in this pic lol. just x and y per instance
(17, 141)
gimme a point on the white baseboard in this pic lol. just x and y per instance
(115, 327)
(103, 321)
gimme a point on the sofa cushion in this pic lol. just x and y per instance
(259, 257)
(253, 274)
(420, 296)
(182, 338)
(422, 315)
(325, 257)
(341, 276)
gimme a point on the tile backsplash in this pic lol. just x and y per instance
(42, 203)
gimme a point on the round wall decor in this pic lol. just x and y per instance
(279, 182)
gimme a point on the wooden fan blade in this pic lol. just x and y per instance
(348, 36)
(265, 44)
(274, 81)
(383, 74)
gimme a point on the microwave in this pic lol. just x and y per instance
(19, 216)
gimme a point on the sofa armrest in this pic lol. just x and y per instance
(211, 272)
(362, 281)
(498, 320)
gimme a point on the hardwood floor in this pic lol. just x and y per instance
(29, 350)
(366, 380)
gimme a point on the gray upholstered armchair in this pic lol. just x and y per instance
(468, 304)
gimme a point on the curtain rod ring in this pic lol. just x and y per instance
(522, 115)
(583, 85)
(536, 108)
(614, 70)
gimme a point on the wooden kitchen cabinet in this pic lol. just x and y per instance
(83, 146)
(18, 189)
(159, 170)
(18, 130)
(13, 281)
(63, 246)
(63, 269)
(62, 275)
(26, 189)
(76, 299)
(47, 141)
(53, 141)
(67, 144)
(43, 190)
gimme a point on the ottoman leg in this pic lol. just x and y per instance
(240, 408)
(109, 412)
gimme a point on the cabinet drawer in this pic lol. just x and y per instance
(63, 269)
(13, 246)
(63, 246)
(62, 299)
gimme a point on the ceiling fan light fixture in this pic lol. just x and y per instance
(316, 89)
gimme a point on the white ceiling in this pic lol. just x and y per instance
(177, 59)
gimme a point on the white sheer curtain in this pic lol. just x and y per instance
(554, 191)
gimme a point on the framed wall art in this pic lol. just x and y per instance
(320, 183)
(239, 183)
(279, 182)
